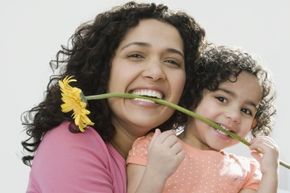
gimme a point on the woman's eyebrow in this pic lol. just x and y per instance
(144, 44)
(172, 50)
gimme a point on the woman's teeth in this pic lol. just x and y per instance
(148, 93)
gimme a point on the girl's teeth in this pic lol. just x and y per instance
(219, 131)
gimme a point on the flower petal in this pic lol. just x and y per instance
(72, 98)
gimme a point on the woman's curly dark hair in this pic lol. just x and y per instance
(218, 64)
(88, 59)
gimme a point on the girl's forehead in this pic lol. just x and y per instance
(246, 86)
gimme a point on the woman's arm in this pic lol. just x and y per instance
(71, 163)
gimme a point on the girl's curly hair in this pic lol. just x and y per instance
(88, 59)
(218, 64)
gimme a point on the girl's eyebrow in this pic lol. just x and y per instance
(144, 44)
(249, 102)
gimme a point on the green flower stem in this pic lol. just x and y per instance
(178, 108)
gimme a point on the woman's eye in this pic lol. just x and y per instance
(135, 56)
(247, 111)
(172, 62)
(221, 99)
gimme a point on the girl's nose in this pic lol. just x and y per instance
(234, 116)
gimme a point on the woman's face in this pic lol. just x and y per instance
(150, 62)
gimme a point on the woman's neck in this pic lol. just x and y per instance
(122, 142)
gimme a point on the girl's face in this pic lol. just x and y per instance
(149, 61)
(233, 105)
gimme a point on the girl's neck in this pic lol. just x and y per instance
(191, 140)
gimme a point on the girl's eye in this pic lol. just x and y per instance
(247, 111)
(221, 99)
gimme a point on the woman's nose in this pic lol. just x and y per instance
(154, 71)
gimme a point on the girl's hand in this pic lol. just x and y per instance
(269, 156)
(164, 153)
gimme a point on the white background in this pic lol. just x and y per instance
(32, 31)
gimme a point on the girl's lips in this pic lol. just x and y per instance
(230, 129)
(222, 134)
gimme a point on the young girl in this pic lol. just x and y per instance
(136, 48)
(235, 92)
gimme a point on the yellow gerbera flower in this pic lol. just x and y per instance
(72, 101)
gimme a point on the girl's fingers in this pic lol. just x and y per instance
(264, 144)
(164, 135)
(156, 133)
(170, 141)
(263, 139)
(159, 137)
(256, 155)
(180, 156)
(176, 148)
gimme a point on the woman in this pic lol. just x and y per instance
(137, 48)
